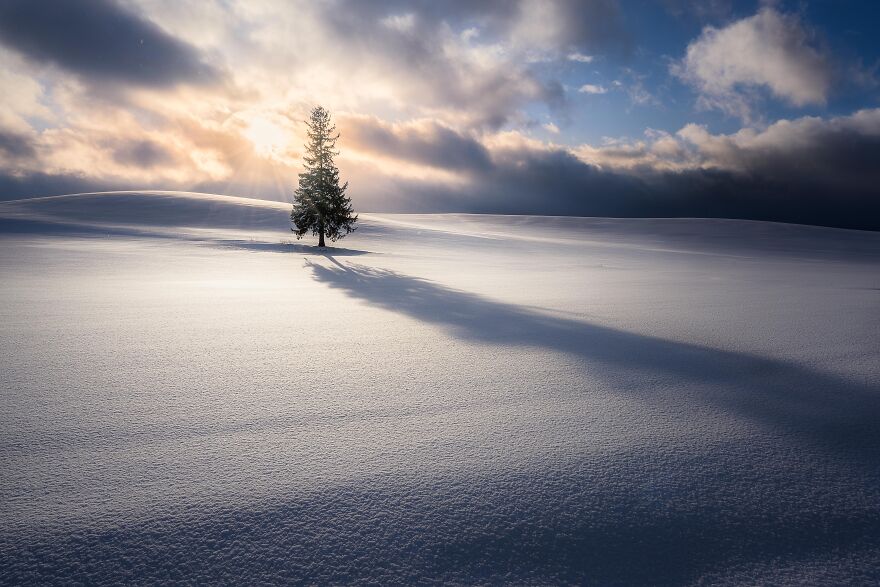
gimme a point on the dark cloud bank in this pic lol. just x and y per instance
(808, 172)
(15, 145)
(100, 41)
(559, 184)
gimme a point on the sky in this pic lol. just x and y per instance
(713, 108)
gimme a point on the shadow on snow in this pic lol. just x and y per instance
(21, 226)
(544, 525)
(835, 413)
(301, 249)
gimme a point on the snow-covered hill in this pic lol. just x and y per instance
(189, 393)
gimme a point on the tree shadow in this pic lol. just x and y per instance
(22, 226)
(296, 248)
(831, 411)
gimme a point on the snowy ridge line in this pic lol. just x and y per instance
(151, 211)
(730, 222)
(183, 195)
(383, 216)
(556, 240)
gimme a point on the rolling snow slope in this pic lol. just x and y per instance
(190, 394)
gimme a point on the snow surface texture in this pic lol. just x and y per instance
(188, 394)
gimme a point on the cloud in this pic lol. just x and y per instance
(100, 41)
(808, 170)
(425, 67)
(423, 142)
(592, 89)
(700, 10)
(16, 146)
(462, 65)
(471, 63)
(586, 25)
(579, 57)
(142, 153)
(837, 154)
(23, 96)
(634, 85)
(769, 50)
(110, 147)
(563, 26)
(36, 184)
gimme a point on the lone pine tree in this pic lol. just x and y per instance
(320, 204)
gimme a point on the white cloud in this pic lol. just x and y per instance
(809, 142)
(400, 22)
(580, 57)
(23, 96)
(551, 128)
(593, 89)
(839, 147)
(768, 50)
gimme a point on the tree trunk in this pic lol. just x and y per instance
(321, 237)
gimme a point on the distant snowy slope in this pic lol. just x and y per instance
(152, 208)
(148, 211)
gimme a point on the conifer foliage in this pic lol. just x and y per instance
(320, 205)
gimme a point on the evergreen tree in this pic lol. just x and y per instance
(320, 204)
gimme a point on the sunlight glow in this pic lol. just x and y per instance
(268, 138)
